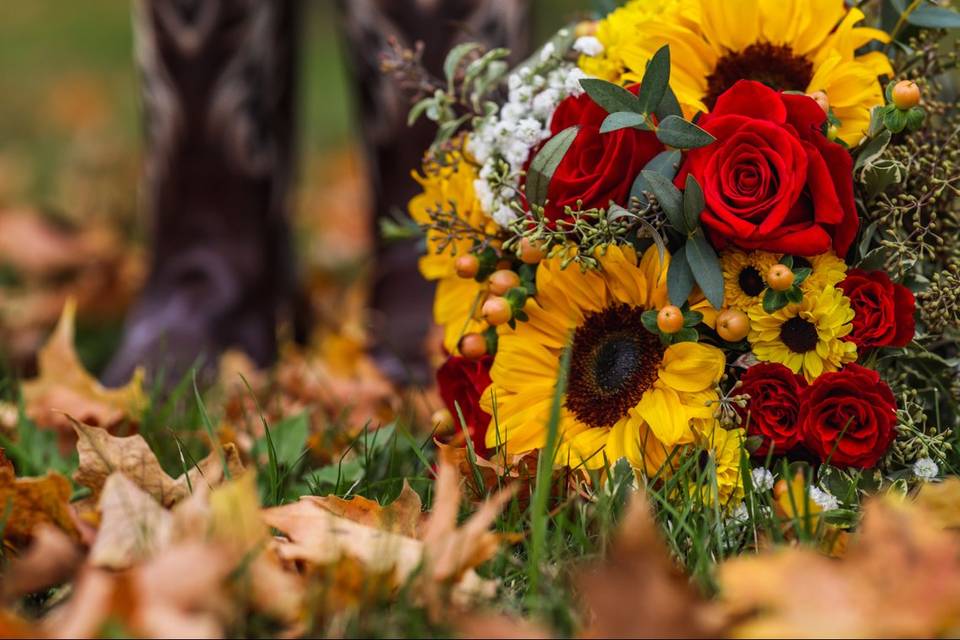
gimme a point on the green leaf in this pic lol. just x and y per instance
(679, 278)
(611, 97)
(665, 163)
(453, 58)
(649, 320)
(706, 268)
(801, 274)
(895, 120)
(693, 202)
(872, 150)
(655, 80)
(692, 318)
(669, 197)
(794, 295)
(623, 120)
(931, 17)
(915, 117)
(669, 105)
(290, 438)
(545, 163)
(682, 134)
(774, 300)
(685, 335)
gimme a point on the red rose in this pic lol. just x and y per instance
(849, 417)
(772, 180)
(598, 167)
(774, 405)
(883, 310)
(461, 382)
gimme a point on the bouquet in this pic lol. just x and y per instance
(713, 239)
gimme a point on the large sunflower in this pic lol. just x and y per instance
(627, 395)
(456, 304)
(798, 45)
(807, 336)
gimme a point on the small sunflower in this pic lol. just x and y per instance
(796, 45)
(827, 270)
(744, 276)
(457, 301)
(627, 394)
(805, 336)
(725, 449)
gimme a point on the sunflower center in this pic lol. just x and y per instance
(614, 360)
(751, 282)
(776, 66)
(799, 335)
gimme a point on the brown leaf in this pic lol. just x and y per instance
(64, 386)
(101, 454)
(899, 578)
(133, 525)
(638, 591)
(402, 516)
(942, 501)
(27, 503)
(51, 558)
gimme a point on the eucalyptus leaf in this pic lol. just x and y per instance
(669, 197)
(545, 163)
(666, 163)
(610, 96)
(669, 105)
(656, 80)
(679, 278)
(706, 268)
(693, 202)
(931, 17)
(624, 120)
(454, 58)
(682, 134)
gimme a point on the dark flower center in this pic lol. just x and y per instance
(614, 360)
(751, 282)
(799, 262)
(799, 335)
(774, 65)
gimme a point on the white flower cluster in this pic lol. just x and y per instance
(925, 469)
(502, 141)
(824, 499)
(762, 479)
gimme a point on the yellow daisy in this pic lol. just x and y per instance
(797, 45)
(626, 392)
(457, 302)
(805, 336)
(744, 276)
(827, 270)
(725, 449)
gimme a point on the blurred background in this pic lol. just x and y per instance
(71, 152)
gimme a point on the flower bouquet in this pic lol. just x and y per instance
(706, 237)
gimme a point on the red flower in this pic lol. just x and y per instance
(772, 180)
(848, 417)
(461, 382)
(883, 310)
(774, 405)
(598, 167)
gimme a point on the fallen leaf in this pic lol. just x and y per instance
(27, 503)
(402, 516)
(51, 559)
(64, 386)
(942, 501)
(638, 591)
(101, 454)
(133, 525)
(900, 577)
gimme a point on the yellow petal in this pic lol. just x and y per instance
(691, 366)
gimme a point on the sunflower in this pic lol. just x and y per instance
(795, 45)
(725, 450)
(744, 276)
(457, 301)
(805, 336)
(827, 270)
(626, 393)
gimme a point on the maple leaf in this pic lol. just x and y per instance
(900, 577)
(26, 503)
(64, 387)
(101, 454)
(638, 591)
(51, 558)
(133, 525)
(942, 501)
(402, 516)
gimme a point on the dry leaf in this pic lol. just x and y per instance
(27, 503)
(496, 625)
(942, 501)
(101, 454)
(638, 591)
(51, 558)
(402, 516)
(133, 526)
(64, 386)
(899, 578)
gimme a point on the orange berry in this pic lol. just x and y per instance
(780, 277)
(733, 325)
(530, 253)
(502, 281)
(820, 97)
(442, 420)
(906, 94)
(496, 311)
(467, 266)
(670, 319)
(473, 346)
